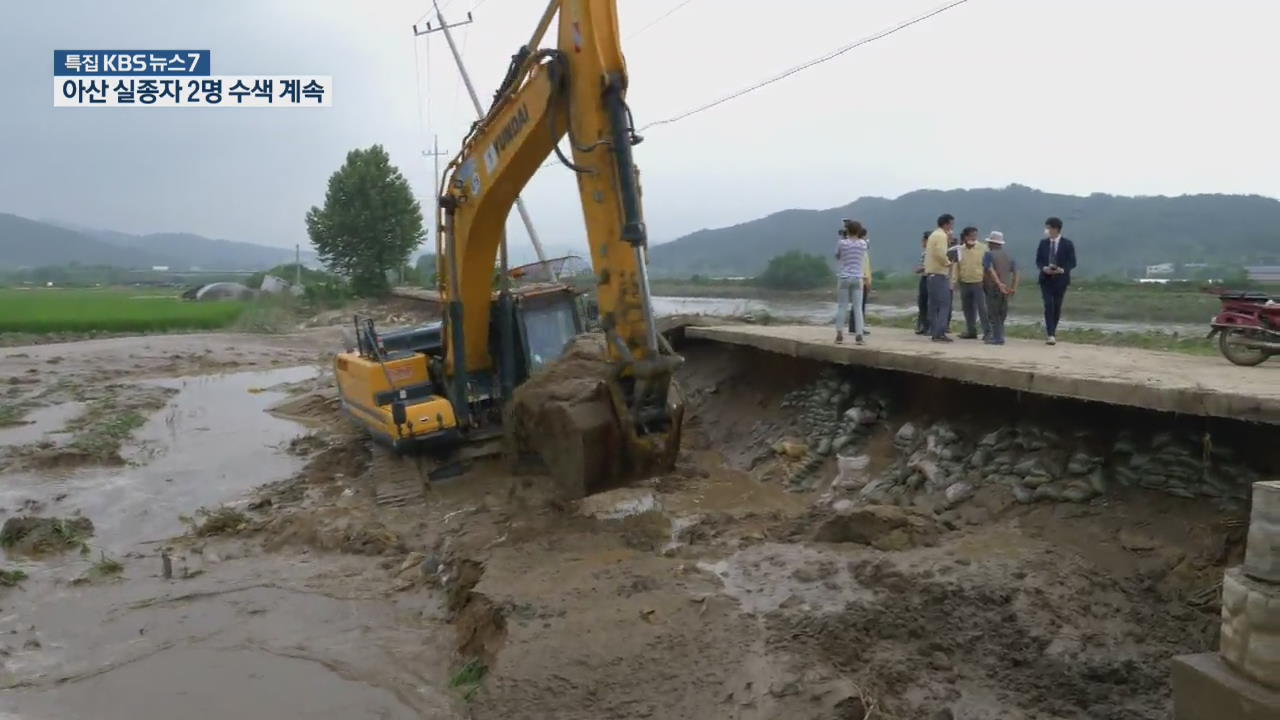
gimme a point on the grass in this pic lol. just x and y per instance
(111, 417)
(10, 578)
(101, 437)
(218, 521)
(109, 310)
(1169, 342)
(106, 566)
(468, 678)
(36, 534)
(12, 413)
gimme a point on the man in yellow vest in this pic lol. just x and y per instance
(973, 298)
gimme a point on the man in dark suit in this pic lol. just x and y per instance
(1056, 258)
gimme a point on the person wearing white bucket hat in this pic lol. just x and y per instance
(1000, 282)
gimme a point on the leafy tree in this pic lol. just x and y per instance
(370, 221)
(796, 270)
(426, 267)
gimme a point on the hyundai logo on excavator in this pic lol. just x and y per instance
(508, 133)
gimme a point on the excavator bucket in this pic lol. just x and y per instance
(570, 420)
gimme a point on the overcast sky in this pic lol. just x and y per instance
(1078, 96)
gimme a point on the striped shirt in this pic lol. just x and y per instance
(850, 254)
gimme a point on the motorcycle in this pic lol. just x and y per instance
(1248, 327)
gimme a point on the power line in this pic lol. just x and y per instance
(805, 66)
(656, 20)
(792, 71)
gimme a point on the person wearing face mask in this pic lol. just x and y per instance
(973, 299)
(1055, 258)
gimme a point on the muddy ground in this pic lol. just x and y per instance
(327, 578)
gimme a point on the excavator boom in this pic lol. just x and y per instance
(576, 90)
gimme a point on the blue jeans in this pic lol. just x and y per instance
(939, 304)
(849, 290)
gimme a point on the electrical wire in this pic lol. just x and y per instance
(811, 63)
(656, 20)
(792, 71)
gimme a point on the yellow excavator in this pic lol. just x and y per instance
(456, 382)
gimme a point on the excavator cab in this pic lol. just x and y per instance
(392, 383)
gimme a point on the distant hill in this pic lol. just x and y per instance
(1114, 235)
(27, 243)
(31, 243)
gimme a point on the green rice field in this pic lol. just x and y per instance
(51, 310)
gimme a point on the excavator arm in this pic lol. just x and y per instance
(578, 90)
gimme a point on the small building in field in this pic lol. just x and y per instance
(1263, 273)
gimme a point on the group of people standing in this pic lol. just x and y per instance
(983, 273)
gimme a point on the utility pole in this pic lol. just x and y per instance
(297, 265)
(475, 101)
(435, 154)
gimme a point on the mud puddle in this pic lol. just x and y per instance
(260, 638)
(211, 442)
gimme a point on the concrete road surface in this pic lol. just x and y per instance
(1170, 382)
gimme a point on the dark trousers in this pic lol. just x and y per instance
(922, 304)
(1052, 291)
(973, 300)
(939, 305)
(997, 312)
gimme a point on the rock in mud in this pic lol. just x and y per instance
(957, 493)
(793, 449)
(1036, 481)
(906, 435)
(1082, 463)
(1030, 466)
(850, 708)
(884, 527)
(933, 474)
(36, 534)
(1049, 491)
(1078, 492)
(862, 416)
(1024, 494)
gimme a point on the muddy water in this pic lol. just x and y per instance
(245, 635)
(209, 444)
(236, 642)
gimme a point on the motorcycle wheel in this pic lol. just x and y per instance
(1239, 354)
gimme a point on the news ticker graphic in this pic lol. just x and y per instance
(174, 78)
